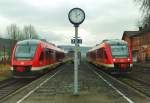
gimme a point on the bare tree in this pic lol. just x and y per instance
(13, 32)
(29, 32)
(20, 35)
(145, 7)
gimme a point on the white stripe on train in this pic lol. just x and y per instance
(41, 67)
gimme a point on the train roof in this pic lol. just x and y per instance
(115, 41)
(109, 42)
(35, 42)
(29, 41)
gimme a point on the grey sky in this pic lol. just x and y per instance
(105, 19)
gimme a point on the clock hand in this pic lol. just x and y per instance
(77, 15)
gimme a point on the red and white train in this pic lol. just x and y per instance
(31, 58)
(112, 55)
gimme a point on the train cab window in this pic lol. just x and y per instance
(119, 51)
(25, 51)
(41, 56)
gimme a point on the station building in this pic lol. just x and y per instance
(139, 43)
(6, 47)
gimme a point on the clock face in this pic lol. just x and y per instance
(76, 16)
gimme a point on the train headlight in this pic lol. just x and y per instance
(114, 60)
(128, 59)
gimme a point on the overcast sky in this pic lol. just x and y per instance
(105, 19)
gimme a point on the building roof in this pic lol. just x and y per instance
(131, 33)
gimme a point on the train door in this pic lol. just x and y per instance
(51, 56)
(53, 53)
(98, 55)
(93, 55)
(101, 55)
(47, 56)
(41, 59)
(57, 56)
(105, 56)
(62, 56)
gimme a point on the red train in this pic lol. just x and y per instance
(112, 55)
(32, 57)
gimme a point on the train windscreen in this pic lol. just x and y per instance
(25, 51)
(119, 51)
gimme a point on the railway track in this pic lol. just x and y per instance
(144, 70)
(11, 85)
(138, 79)
(137, 83)
(124, 87)
(134, 81)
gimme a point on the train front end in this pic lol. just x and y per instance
(121, 57)
(23, 58)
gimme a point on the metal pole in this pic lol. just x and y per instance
(4, 55)
(76, 63)
(79, 55)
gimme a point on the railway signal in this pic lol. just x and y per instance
(76, 17)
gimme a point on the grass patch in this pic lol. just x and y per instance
(122, 78)
(5, 71)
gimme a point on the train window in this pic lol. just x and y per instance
(41, 56)
(98, 53)
(101, 53)
(25, 51)
(119, 51)
(47, 53)
(57, 56)
(94, 55)
(51, 54)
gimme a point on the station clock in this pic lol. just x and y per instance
(76, 16)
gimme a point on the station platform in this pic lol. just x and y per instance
(57, 87)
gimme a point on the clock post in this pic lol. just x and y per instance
(76, 63)
(76, 17)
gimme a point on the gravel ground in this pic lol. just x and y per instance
(59, 89)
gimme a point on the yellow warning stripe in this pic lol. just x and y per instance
(102, 64)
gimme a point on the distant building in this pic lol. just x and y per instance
(139, 42)
(6, 46)
(67, 48)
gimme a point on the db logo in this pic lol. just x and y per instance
(22, 63)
